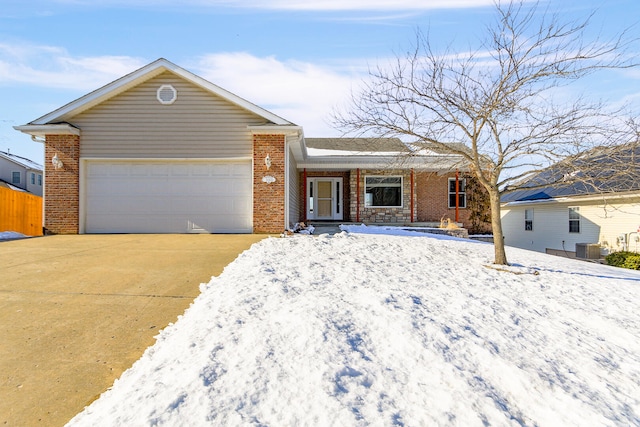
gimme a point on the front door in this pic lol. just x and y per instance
(324, 198)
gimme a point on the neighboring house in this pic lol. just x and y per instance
(587, 219)
(162, 150)
(21, 173)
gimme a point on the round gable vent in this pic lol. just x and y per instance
(167, 94)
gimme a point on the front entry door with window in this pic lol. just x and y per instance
(324, 198)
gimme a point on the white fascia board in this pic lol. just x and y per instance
(296, 146)
(352, 162)
(52, 129)
(145, 73)
(287, 129)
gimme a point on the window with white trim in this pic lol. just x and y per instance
(39, 179)
(15, 177)
(462, 196)
(383, 191)
(528, 220)
(33, 178)
(574, 220)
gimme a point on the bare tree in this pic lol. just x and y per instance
(500, 100)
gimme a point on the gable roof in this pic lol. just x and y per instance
(40, 125)
(21, 161)
(602, 170)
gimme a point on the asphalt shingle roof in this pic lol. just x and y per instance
(602, 170)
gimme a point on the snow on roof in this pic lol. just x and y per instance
(357, 145)
(5, 184)
(22, 161)
(329, 152)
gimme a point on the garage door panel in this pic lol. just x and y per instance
(157, 170)
(168, 197)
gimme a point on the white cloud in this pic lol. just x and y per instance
(50, 66)
(302, 92)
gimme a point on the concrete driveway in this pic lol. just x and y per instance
(76, 311)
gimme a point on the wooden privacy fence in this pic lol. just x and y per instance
(20, 212)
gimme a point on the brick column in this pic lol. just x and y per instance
(268, 198)
(62, 186)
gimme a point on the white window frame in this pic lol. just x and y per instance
(575, 219)
(13, 177)
(528, 219)
(462, 192)
(368, 200)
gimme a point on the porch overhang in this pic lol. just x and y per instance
(427, 164)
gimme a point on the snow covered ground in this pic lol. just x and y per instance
(11, 235)
(385, 330)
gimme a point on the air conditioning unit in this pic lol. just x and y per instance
(588, 250)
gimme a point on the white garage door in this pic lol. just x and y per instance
(168, 197)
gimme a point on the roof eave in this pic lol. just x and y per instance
(288, 129)
(41, 130)
(378, 162)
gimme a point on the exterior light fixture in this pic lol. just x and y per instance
(57, 163)
(267, 162)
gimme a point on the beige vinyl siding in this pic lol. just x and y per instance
(615, 218)
(134, 124)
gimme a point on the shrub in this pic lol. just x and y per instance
(632, 262)
(629, 260)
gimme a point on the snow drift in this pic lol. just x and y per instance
(382, 330)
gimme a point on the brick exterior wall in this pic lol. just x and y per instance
(62, 186)
(399, 215)
(433, 199)
(268, 199)
(327, 174)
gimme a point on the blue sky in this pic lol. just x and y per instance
(298, 59)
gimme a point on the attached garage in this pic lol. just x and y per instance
(167, 196)
(161, 150)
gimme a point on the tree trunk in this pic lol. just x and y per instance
(496, 225)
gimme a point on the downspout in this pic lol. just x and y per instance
(304, 195)
(457, 197)
(358, 195)
(412, 180)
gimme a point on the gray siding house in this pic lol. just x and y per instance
(21, 172)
